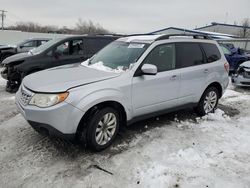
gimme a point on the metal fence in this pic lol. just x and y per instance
(239, 43)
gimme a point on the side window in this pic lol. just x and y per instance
(29, 44)
(76, 47)
(162, 56)
(93, 45)
(211, 51)
(188, 54)
(62, 49)
(40, 42)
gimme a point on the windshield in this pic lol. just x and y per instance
(44, 46)
(225, 50)
(118, 55)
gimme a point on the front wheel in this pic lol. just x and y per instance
(208, 102)
(101, 129)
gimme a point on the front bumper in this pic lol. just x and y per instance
(61, 119)
(239, 80)
(50, 131)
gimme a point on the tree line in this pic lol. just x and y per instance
(82, 27)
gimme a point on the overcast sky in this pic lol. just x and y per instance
(127, 16)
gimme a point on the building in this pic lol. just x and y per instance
(240, 31)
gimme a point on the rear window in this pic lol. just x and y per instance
(93, 45)
(188, 54)
(211, 51)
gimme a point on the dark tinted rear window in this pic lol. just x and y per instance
(93, 45)
(212, 52)
(188, 54)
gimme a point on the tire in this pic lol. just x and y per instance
(208, 102)
(97, 135)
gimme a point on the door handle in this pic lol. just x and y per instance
(173, 77)
(205, 71)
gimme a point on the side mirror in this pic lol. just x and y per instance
(149, 69)
(21, 46)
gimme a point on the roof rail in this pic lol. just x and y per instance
(107, 34)
(195, 36)
(130, 35)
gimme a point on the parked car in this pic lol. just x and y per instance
(60, 51)
(25, 46)
(131, 79)
(234, 56)
(242, 75)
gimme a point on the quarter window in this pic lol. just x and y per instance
(29, 44)
(211, 52)
(95, 44)
(189, 54)
(163, 57)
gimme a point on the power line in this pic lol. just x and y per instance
(3, 15)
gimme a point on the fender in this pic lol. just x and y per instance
(103, 95)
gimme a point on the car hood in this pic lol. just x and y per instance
(63, 78)
(6, 47)
(16, 57)
(246, 64)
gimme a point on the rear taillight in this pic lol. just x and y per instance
(226, 66)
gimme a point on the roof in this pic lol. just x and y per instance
(220, 35)
(150, 38)
(141, 38)
(222, 24)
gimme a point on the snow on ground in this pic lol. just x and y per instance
(175, 150)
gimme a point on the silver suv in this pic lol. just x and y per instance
(131, 79)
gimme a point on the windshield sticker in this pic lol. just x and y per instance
(136, 45)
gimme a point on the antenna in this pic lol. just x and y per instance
(3, 15)
(226, 17)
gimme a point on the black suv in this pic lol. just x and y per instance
(56, 52)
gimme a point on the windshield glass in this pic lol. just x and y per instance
(44, 46)
(118, 55)
(225, 50)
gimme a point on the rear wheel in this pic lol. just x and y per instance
(101, 129)
(209, 101)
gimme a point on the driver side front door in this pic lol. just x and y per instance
(152, 93)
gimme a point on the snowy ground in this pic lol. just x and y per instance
(174, 150)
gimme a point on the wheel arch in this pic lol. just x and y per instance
(95, 108)
(217, 85)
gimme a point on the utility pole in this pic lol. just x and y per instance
(3, 16)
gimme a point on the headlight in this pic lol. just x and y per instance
(46, 100)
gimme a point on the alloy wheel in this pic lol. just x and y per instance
(106, 128)
(210, 101)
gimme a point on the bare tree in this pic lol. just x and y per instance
(32, 27)
(245, 31)
(82, 27)
(88, 27)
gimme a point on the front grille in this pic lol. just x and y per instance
(246, 74)
(25, 95)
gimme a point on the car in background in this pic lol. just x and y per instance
(234, 56)
(242, 75)
(25, 46)
(56, 52)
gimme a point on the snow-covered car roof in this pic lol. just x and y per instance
(140, 38)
